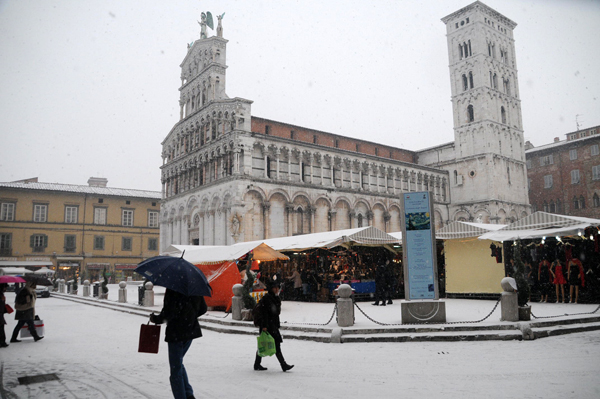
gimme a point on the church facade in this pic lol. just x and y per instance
(228, 176)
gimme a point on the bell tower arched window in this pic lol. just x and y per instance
(470, 113)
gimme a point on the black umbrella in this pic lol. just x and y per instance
(37, 279)
(176, 274)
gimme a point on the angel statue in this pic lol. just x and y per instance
(205, 19)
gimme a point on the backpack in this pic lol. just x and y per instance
(257, 313)
(21, 298)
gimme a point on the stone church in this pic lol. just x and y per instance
(228, 176)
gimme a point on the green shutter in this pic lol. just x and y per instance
(31, 241)
(45, 241)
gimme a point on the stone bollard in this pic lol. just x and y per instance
(61, 285)
(70, 287)
(345, 306)
(149, 294)
(237, 303)
(509, 302)
(86, 288)
(123, 292)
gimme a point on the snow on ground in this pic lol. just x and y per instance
(94, 353)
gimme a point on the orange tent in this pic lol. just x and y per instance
(221, 277)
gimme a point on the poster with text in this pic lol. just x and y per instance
(418, 246)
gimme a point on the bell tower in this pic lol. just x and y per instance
(486, 162)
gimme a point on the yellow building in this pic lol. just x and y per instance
(77, 230)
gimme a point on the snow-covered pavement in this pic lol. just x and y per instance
(93, 351)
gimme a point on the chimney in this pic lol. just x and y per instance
(556, 139)
(528, 145)
(97, 182)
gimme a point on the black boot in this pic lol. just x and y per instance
(375, 304)
(390, 302)
(257, 365)
(37, 338)
(285, 367)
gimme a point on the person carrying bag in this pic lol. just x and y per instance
(25, 314)
(267, 320)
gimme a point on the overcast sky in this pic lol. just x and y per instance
(90, 88)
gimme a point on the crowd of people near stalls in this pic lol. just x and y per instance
(312, 275)
(564, 270)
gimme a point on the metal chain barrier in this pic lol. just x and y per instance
(450, 322)
(218, 317)
(315, 324)
(566, 314)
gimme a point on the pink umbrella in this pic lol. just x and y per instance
(11, 279)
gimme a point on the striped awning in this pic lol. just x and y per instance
(542, 224)
(460, 229)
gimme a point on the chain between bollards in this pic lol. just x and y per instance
(566, 314)
(451, 322)
(315, 324)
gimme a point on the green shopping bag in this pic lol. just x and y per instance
(266, 344)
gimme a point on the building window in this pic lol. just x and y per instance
(70, 214)
(293, 135)
(528, 163)
(572, 136)
(126, 244)
(578, 203)
(360, 220)
(572, 155)
(152, 219)
(337, 143)
(465, 82)
(552, 207)
(545, 206)
(315, 139)
(5, 244)
(596, 172)
(7, 212)
(152, 244)
(98, 242)
(267, 129)
(127, 217)
(40, 213)
(575, 176)
(547, 160)
(358, 148)
(548, 181)
(99, 215)
(471, 80)
(593, 131)
(470, 113)
(596, 200)
(70, 243)
(503, 114)
(38, 242)
(594, 149)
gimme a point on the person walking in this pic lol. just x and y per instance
(380, 284)
(3, 343)
(25, 311)
(181, 313)
(270, 308)
(297, 279)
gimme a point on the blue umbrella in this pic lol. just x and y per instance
(176, 274)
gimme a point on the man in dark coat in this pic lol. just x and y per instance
(181, 313)
(381, 284)
(270, 306)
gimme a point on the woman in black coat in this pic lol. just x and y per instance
(270, 306)
(181, 313)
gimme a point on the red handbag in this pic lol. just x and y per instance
(149, 338)
(9, 310)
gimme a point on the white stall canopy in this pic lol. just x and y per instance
(542, 224)
(461, 229)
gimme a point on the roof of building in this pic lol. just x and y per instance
(80, 189)
(560, 143)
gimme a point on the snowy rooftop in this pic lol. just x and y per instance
(72, 188)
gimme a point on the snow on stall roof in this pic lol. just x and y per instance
(459, 229)
(81, 189)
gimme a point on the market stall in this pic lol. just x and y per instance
(473, 267)
(557, 250)
(220, 265)
(326, 260)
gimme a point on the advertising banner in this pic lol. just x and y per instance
(420, 265)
